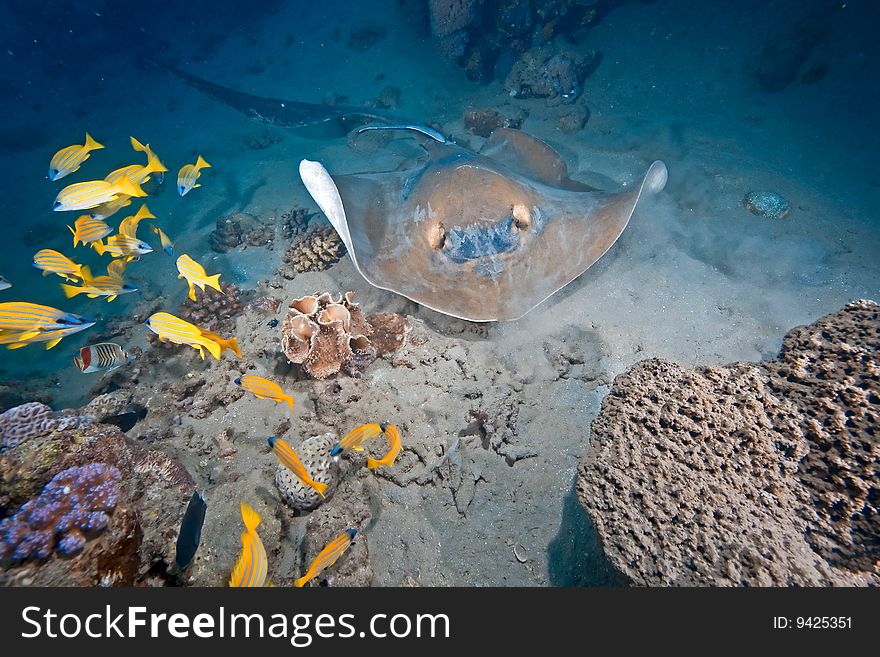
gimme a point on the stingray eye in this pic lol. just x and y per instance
(437, 236)
(522, 218)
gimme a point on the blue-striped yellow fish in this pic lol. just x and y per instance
(195, 274)
(91, 194)
(4, 284)
(178, 331)
(188, 174)
(392, 435)
(167, 244)
(110, 285)
(101, 357)
(138, 174)
(151, 156)
(252, 564)
(52, 262)
(129, 225)
(328, 556)
(87, 229)
(122, 246)
(23, 316)
(18, 339)
(108, 209)
(290, 460)
(356, 438)
(69, 159)
(264, 389)
(230, 344)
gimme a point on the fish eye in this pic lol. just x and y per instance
(57, 204)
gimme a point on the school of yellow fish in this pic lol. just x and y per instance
(23, 323)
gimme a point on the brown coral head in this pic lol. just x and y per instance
(325, 298)
(302, 328)
(307, 305)
(335, 312)
(360, 343)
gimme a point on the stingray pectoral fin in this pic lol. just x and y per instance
(323, 190)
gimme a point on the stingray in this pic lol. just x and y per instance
(483, 236)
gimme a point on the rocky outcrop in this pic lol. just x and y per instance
(747, 474)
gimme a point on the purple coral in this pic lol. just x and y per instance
(73, 507)
(33, 419)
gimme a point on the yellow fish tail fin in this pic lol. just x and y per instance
(126, 187)
(289, 400)
(98, 245)
(75, 238)
(372, 464)
(237, 575)
(214, 281)
(250, 517)
(154, 164)
(215, 349)
(85, 273)
(70, 290)
(136, 145)
(302, 581)
(144, 213)
(232, 344)
(318, 486)
(201, 163)
(91, 144)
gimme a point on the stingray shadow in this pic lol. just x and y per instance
(575, 555)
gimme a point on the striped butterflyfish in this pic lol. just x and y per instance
(291, 461)
(188, 174)
(101, 357)
(356, 438)
(264, 389)
(70, 158)
(92, 193)
(53, 262)
(87, 229)
(328, 556)
(252, 564)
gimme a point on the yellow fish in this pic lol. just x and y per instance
(108, 209)
(195, 274)
(327, 557)
(87, 229)
(264, 389)
(173, 329)
(91, 194)
(225, 345)
(356, 438)
(69, 159)
(21, 316)
(52, 262)
(188, 174)
(138, 174)
(291, 461)
(252, 564)
(393, 438)
(129, 225)
(122, 246)
(151, 156)
(167, 244)
(18, 339)
(110, 285)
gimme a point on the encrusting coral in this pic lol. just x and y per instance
(33, 419)
(759, 474)
(72, 507)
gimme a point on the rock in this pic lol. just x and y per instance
(745, 474)
(766, 204)
(573, 118)
(483, 122)
(545, 72)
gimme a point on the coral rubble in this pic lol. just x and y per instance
(755, 474)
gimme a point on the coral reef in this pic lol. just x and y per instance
(316, 250)
(212, 310)
(483, 122)
(294, 222)
(769, 205)
(314, 452)
(21, 423)
(761, 473)
(72, 507)
(388, 332)
(138, 534)
(322, 334)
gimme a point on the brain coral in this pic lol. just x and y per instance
(35, 419)
(746, 474)
(315, 455)
(72, 507)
